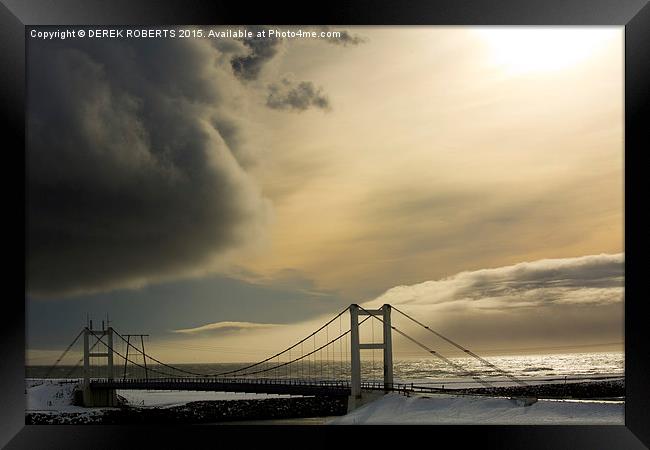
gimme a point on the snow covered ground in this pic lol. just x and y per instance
(56, 395)
(50, 395)
(449, 409)
(175, 398)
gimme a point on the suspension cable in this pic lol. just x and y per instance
(433, 352)
(241, 368)
(303, 356)
(63, 354)
(283, 351)
(80, 360)
(122, 356)
(469, 352)
(156, 360)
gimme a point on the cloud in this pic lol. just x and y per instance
(296, 96)
(286, 94)
(133, 165)
(568, 303)
(345, 39)
(225, 328)
(261, 50)
(550, 301)
(586, 280)
(185, 303)
(287, 279)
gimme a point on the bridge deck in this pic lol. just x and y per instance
(261, 386)
(257, 386)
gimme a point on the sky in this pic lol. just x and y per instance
(219, 193)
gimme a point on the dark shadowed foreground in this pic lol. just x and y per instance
(202, 412)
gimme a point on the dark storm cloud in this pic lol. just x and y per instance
(132, 163)
(296, 96)
(261, 50)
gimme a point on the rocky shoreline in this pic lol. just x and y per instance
(582, 390)
(200, 412)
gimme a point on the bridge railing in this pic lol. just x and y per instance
(373, 385)
(219, 380)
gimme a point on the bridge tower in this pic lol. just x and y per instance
(356, 346)
(93, 397)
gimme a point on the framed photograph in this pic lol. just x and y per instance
(368, 217)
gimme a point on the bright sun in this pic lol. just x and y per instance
(519, 50)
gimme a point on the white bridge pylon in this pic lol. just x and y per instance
(356, 346)
(98, 335)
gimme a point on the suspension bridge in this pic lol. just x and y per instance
(326, 362)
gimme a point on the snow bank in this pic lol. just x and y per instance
(448, 409)
(176, 398)
(51, 395)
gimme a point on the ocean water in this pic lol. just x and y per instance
(422, 371)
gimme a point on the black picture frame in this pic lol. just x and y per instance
(634, 15)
